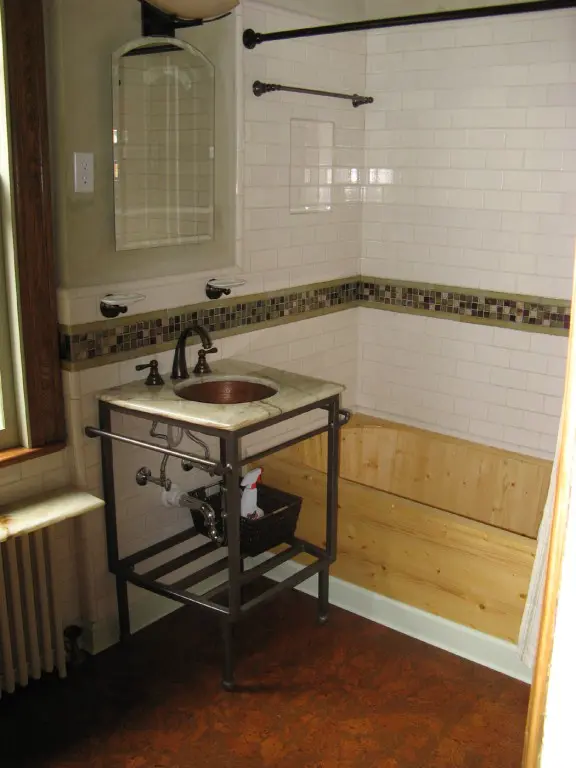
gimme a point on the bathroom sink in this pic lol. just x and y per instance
(226, 391)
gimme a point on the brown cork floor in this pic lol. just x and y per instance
(348, 695)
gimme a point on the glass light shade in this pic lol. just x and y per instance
(195, 9)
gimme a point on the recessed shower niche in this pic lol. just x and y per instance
(311, 165)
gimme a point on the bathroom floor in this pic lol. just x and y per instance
(351, 694)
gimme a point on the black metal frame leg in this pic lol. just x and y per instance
(323, 595)
(228, 682)
(333, 473)
(230, 455)
(107, 451)
(123, 609)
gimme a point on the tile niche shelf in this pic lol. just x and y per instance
(311, 165)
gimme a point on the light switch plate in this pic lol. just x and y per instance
(84, 172)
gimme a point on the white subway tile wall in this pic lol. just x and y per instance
(475, 123)
(283, 244)
(490, 385)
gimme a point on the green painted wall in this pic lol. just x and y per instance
(82, 35)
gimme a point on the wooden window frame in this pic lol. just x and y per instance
(8, 409)
(26, 88)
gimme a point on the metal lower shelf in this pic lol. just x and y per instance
(154, 579)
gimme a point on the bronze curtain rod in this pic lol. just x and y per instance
(259, 89)
(252, 38)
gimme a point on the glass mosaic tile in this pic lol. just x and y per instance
(233, 317)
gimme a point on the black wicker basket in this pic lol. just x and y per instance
(281, 511)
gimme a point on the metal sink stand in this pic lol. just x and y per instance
(227, 600)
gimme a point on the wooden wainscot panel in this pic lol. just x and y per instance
(448, 565)
(501, 488)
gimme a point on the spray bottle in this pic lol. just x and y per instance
(249, 506)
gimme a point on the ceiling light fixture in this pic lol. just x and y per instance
(195, 9)
(163, 17)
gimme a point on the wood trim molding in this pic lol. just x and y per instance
(28, 114)
(20, 455)
(539, 693)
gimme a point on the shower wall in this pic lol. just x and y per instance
(472, 136)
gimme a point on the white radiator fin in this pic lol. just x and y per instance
(31, 632)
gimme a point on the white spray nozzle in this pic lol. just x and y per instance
(252, 479)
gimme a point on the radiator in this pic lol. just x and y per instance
(31, 632)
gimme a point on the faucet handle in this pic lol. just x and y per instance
(154, 379)
(202, 368)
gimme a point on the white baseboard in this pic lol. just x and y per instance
(468, 643)
(502, 656)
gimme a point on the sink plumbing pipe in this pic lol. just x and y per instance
(173, 437)
(144, 475)
(209, 517)
(182, 499)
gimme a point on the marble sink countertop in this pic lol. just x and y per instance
(294, 391)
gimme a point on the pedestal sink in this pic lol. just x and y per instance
(226, 391)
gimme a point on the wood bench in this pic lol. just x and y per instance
(442, 524)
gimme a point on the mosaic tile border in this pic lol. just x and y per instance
(519, 312)
(152, 332)
(109, 341)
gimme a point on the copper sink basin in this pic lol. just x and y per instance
(226, 391)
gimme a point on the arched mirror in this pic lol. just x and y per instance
(163, 133)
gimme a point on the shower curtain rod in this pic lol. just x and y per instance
(252, 38)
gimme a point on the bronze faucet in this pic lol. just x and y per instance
(179, 367)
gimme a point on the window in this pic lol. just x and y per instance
(8, 419)
(27, 258)
(9, 436)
